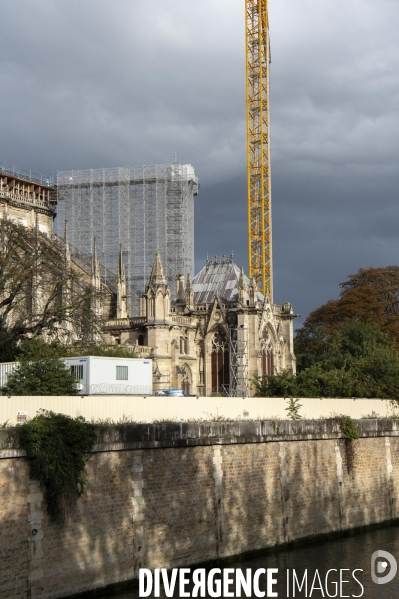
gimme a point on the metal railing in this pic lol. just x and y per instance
(15, 171)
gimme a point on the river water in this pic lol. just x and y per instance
(348, 553)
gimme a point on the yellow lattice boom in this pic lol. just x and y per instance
(258, 144)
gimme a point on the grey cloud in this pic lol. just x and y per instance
(91, 83)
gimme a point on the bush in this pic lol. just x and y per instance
(349, 428)
(282, 384)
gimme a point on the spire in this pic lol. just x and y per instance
(95, 282)
(189, 293)
(121, 266)
(253, 292)
(267, 296)
(157, 274)
(241, 280)
(121, 305)
(95, 267)
(37, 229)
(242, 288)
(180, 295)
(157, 294)
(66, 288)
(67, 248)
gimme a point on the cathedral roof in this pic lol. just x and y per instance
(220, 276)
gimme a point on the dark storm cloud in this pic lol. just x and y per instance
(92, 83)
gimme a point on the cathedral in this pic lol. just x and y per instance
(213, 334)
(215, 338)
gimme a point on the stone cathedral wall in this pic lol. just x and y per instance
(177, 494)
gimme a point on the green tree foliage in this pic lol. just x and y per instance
(282, 384)
(349, 428)
(58, 447)
(354, 360)
(43, 376)
(37, 349)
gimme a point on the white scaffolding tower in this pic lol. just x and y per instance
(238, 361)
(146, 209)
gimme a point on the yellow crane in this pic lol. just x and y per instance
(258, 144)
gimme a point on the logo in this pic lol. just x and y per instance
(388, 559)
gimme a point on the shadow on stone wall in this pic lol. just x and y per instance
(14, 527)
(167, 507)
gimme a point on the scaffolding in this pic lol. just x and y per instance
(146, 209)
(238, 361)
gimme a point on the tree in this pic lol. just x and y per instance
(36, 348)
(42, 293)
(46, 376)
(369, 296)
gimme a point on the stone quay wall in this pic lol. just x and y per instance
(168, 495)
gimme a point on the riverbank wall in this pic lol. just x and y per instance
(168, 495)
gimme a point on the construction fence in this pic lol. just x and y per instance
(152, 408)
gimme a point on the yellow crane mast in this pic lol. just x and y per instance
(258, 144)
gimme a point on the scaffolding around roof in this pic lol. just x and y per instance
(146, 209)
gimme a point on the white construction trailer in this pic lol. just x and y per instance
(96, 375)
(5, 369)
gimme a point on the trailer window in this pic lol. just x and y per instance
(77, 371)
(122, 373)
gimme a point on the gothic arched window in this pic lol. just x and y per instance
(220, 362)
(186, 379)
(267, 353)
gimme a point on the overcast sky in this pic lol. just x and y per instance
(101, 83)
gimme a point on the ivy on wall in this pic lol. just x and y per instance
(349, 428)
(58, 447)
(350, 434)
